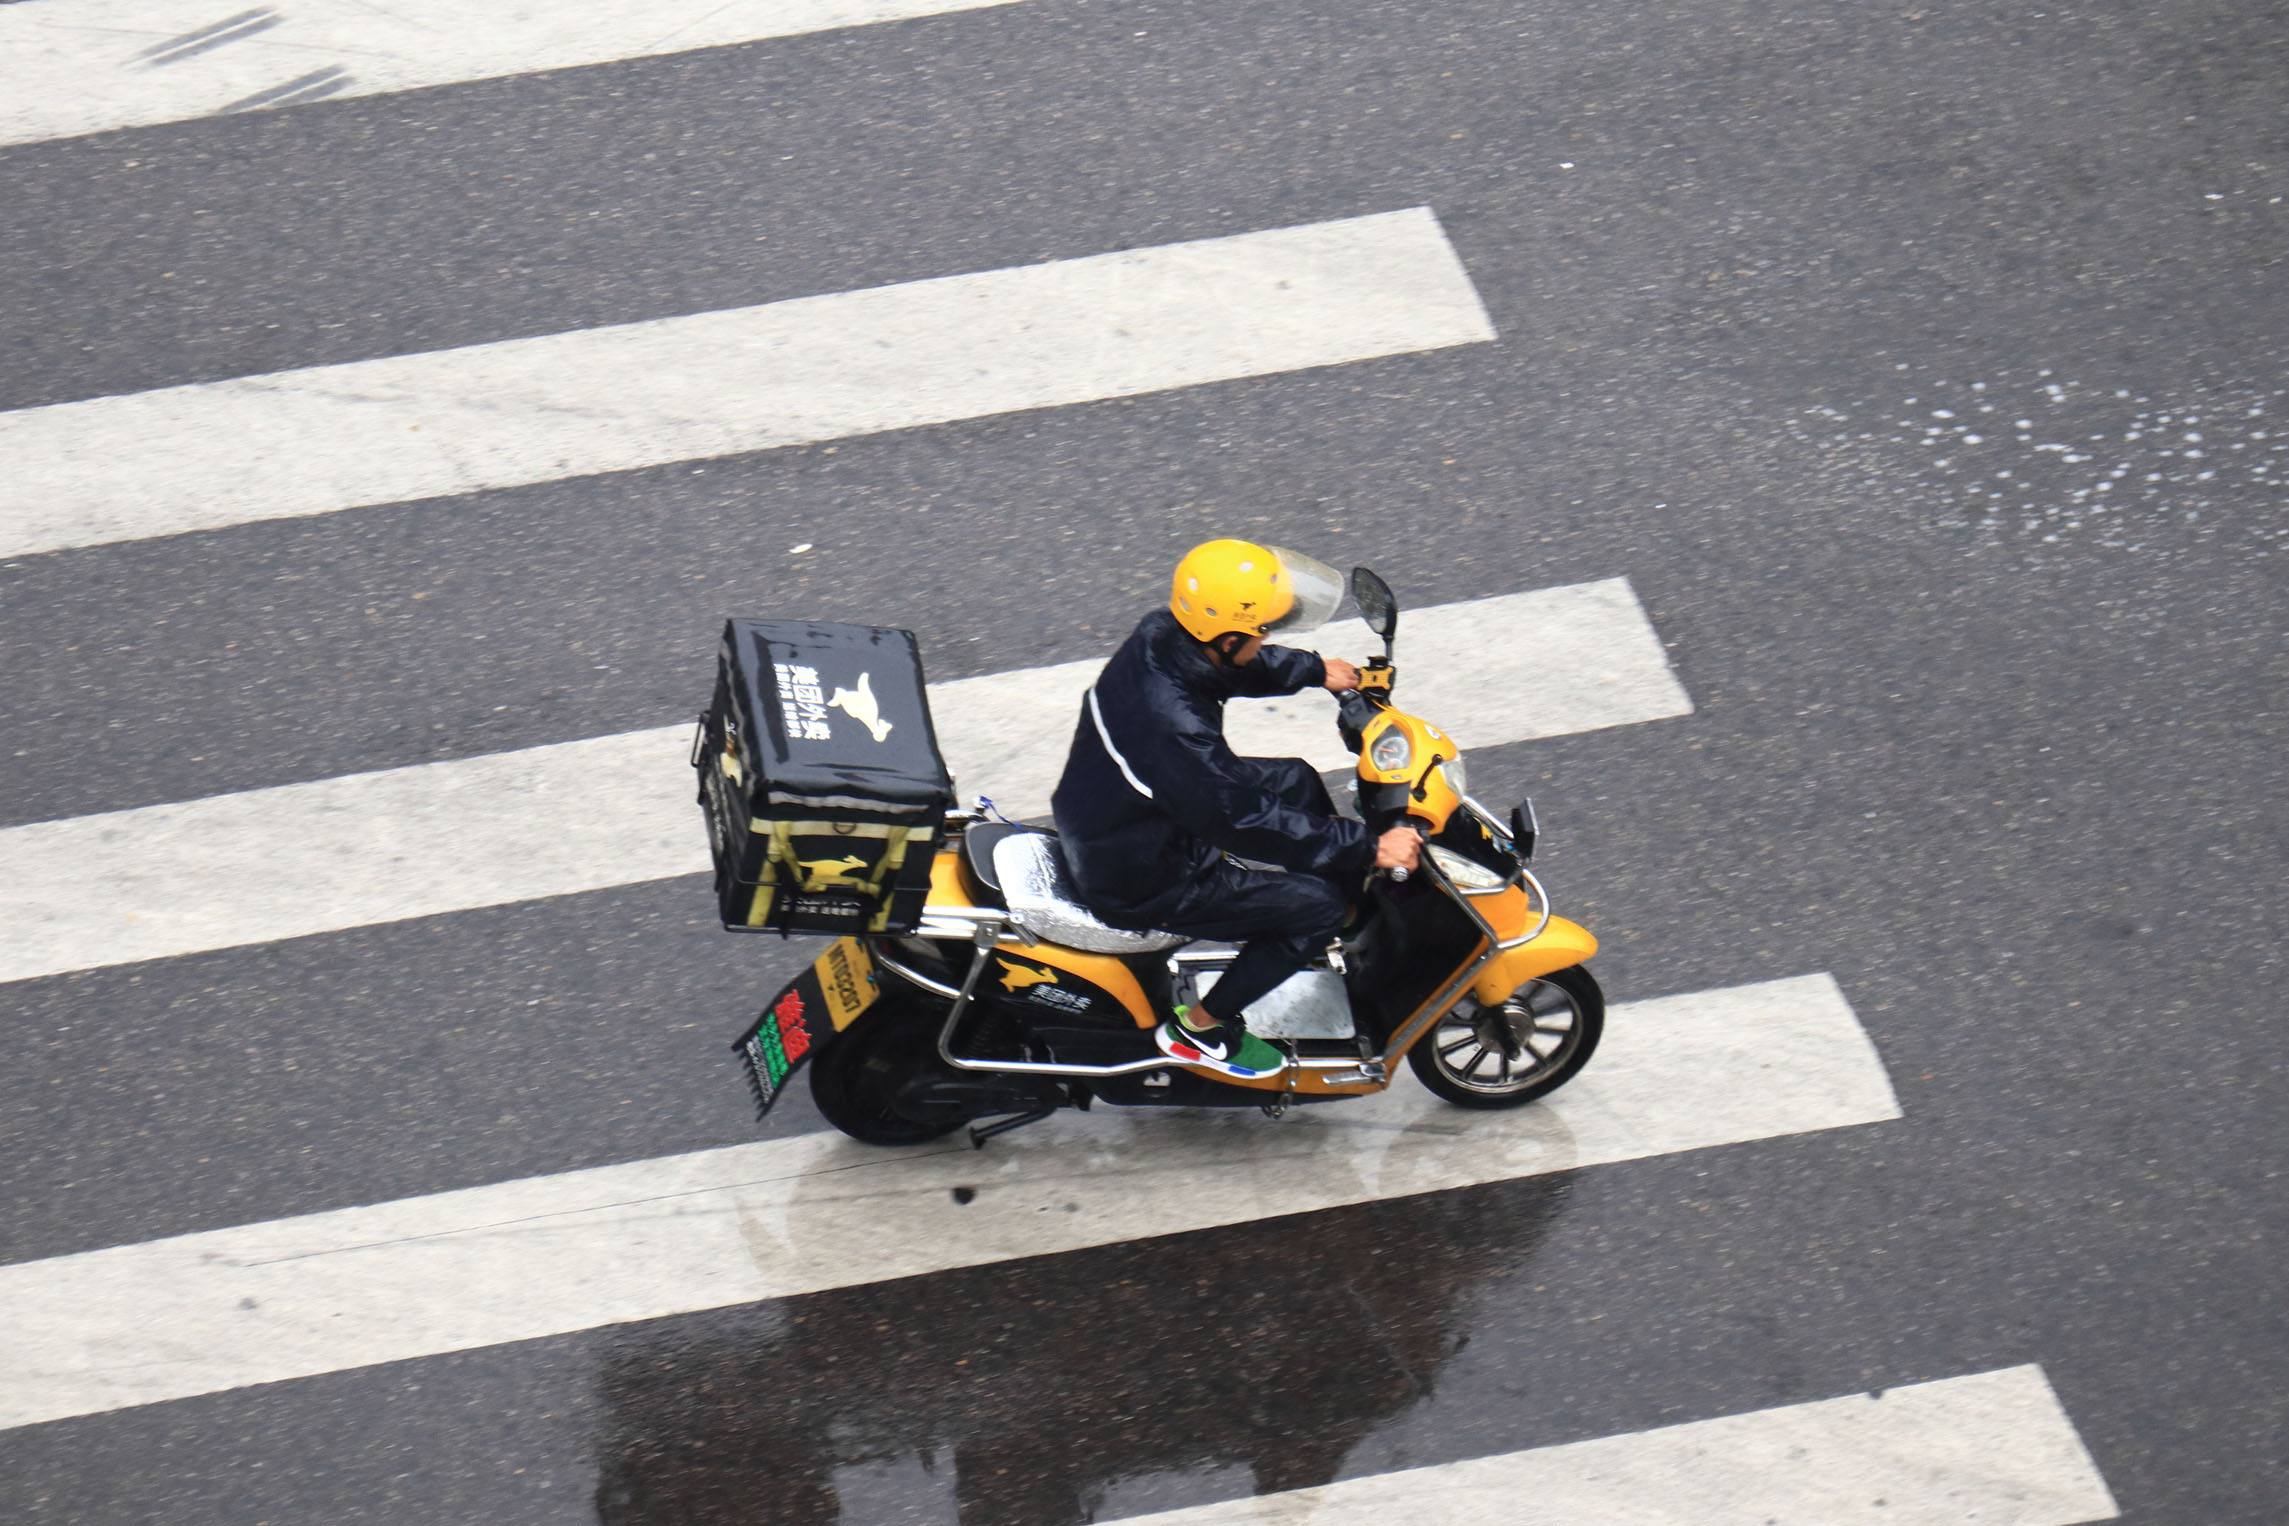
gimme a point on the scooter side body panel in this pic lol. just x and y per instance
(1061, 984)
(946, 887)
(1048, 980)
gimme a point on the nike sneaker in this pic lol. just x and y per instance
(1226, 1048)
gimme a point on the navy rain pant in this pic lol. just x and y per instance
(1285, 918)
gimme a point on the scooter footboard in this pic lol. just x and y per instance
(824, 999)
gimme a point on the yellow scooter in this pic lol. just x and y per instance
(1011, 1000)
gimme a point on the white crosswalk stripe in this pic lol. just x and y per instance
(712, 384)
(486, 1265)
(376, 847)
(1994, 1447)
(81, 66)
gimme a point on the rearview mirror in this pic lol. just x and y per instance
(1524, 829)
(1376, 603)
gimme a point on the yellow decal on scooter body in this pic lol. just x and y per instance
(1103, 971)
(1016, 977)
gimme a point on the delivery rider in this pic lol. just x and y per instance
(1153, 800)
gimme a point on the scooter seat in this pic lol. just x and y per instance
(1038, 890)
(979, 877)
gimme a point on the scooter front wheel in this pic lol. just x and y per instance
(1506, 1055)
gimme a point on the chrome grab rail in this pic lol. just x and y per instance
(960, 1004)
(935, 913)
(915, 977)
(1370, 1072)
(1541, 899)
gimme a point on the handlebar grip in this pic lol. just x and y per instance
(1399, 876)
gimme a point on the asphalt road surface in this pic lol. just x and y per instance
(1915, 373)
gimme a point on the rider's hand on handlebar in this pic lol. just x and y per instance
(1399, 848)
(1342, 677)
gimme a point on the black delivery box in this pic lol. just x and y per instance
(820, 778)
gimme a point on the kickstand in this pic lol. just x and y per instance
(979, 1136)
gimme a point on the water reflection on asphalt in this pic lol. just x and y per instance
(1083, 1387)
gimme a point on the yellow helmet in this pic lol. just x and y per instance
(1223, 586)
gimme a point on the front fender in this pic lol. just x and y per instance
(1561, 944)
(837, 989)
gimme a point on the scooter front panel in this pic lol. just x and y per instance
(1409, 952)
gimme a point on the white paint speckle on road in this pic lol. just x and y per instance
(2173, 478)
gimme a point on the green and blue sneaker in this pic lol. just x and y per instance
(1226, 1048)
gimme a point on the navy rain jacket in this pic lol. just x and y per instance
(1152, 793)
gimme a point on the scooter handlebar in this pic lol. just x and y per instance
(1399, 876)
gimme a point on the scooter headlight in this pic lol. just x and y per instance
(1392, 751)
(1467, 873)
(1458, 776)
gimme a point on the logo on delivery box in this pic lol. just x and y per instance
(803, 704)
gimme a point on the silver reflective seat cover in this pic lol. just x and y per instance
(1040, 896)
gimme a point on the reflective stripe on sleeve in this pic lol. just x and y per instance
(1106, 737)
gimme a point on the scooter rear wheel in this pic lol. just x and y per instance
(1552, 1024)
(855, 1079)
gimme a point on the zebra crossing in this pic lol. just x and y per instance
(714, 384)
(85, 66)
(649, 1239)
(120, 1328)
(458, 834)
(1749, 1470)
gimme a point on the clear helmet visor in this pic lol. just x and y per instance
(1316, 588)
